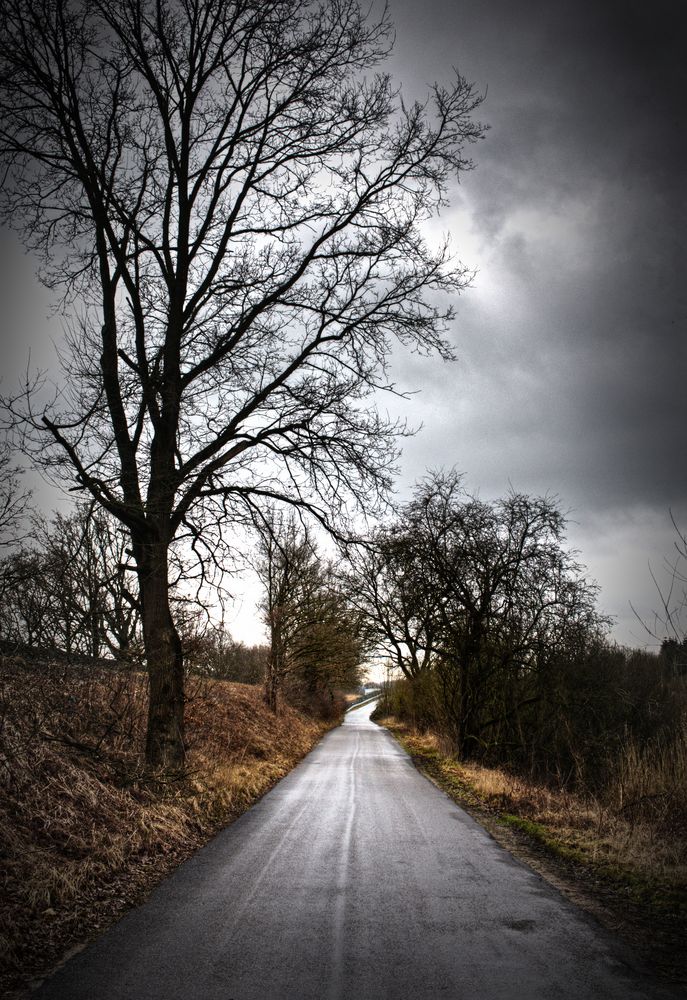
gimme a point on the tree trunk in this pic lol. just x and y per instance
(165, 735)
(271, 685)
(469, 743)
(275, 662)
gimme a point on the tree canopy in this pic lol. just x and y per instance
(484, 594)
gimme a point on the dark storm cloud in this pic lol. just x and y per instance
(577, 209)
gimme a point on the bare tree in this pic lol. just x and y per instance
(287, 567)
(73, 589)
(88, 571)
(315, 635)
(483, 594)
(74, 580)
(395, 600)
(330, 649)
(510, 595)
(14, 501)
(26, 603)
(234, 209)
(216, 654)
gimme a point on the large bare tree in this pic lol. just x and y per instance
(233, 205)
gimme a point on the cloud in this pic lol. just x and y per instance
(573, 342)
(26, 325)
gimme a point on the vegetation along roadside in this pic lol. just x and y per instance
(86, 831)
(629, 872)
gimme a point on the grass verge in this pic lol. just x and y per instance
(632, 878)
(85, 833)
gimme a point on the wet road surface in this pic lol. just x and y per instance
(353, 878)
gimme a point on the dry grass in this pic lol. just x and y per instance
(649, 785)
(84, 831)
(613, 832)
(640, 822)
(628, 850)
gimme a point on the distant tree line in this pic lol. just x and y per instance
(72, 588)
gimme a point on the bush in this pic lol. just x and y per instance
(415, 701)
(608, 717)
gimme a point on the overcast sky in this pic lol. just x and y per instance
(572, 343)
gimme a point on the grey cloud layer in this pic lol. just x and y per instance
(577, 210)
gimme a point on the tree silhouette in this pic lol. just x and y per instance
(481, 594)
(314, 632)
(233, 211)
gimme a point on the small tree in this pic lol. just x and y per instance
(216, 654)
(75, 573)
(74, 589)
(25, 612)
(314, 641)
(236, 210)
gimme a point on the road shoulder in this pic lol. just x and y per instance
(652, 924)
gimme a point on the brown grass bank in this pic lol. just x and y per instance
(625, 864)
(84, 833)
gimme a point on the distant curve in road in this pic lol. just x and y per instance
(354, 878)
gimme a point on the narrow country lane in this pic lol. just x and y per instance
(354, 878)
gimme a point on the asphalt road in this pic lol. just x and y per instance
(354, 878)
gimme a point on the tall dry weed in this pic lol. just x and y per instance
(649, 781)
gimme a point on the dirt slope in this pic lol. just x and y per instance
(83, 832)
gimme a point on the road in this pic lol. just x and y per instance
(354, 877)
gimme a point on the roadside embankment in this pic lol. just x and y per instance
(630, 873)
(85, 833)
